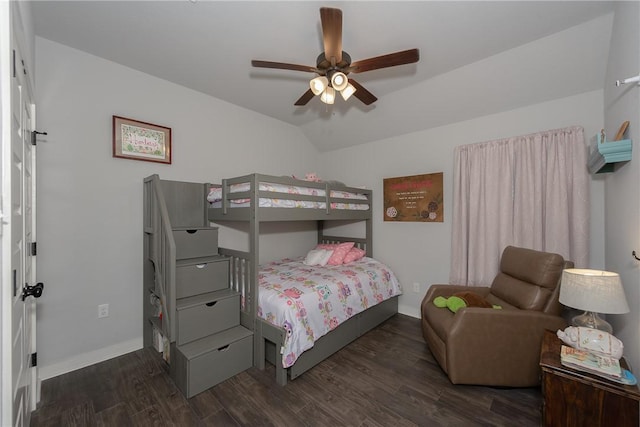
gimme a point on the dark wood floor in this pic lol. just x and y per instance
(385, 378)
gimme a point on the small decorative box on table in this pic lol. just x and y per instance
(576, 398)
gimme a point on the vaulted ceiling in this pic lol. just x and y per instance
(476, 58)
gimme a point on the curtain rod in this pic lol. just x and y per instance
(629, 80)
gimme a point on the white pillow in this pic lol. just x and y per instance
(318, 257)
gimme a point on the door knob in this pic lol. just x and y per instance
(35, 291)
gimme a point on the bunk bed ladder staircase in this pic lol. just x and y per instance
(191, 312)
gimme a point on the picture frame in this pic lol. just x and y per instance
(136, 140)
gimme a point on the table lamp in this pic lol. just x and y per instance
(593, 291)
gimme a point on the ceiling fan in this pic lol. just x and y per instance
(334, 65)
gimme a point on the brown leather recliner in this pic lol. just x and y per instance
(498, 347)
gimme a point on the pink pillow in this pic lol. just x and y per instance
(339, 251)
(354, 254)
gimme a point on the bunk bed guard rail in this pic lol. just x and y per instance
(254, 193)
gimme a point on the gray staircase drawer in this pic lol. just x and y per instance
(195, 242)
(207, 315)
(202, 364)
(201, 275)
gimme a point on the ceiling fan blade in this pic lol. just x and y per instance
(390, 60)
(362, 94)
(332, 33)
(306, 97)
(283, 66)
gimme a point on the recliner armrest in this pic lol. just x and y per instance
(480, 321)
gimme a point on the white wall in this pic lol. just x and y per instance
(420, 252)
(622, 188)
(90, 204)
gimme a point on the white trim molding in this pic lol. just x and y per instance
(87, 359)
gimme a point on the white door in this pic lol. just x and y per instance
(22, 234)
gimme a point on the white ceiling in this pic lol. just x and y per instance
(468, 66)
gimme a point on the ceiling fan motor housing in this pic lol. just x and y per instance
(324, 64)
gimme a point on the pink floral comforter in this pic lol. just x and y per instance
(309, 301)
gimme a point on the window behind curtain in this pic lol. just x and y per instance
(530, 191)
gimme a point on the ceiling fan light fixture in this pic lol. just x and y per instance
(328, 96)
(339, 80)
(319, 84)
(348, 91)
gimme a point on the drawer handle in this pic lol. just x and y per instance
(201, 265)
(191, 231)
(224, 348)
(211, 304)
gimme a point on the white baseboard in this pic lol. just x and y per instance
(87, 359)
(409, 311)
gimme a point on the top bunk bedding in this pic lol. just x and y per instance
(284, 198)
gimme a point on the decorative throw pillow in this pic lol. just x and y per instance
(340, 252)
(354, 254)
(318, 257)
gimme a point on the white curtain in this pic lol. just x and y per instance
(530, 191)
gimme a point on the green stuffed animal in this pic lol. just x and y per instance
(463, 299)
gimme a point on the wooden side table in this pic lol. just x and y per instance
(576, 398)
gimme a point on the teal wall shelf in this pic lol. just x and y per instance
(603, 155)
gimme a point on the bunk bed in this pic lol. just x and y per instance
(254, 199)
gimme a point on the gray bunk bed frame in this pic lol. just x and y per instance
(268, 338)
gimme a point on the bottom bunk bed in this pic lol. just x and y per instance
(305, 313)
(274, 338)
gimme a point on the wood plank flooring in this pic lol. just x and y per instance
(387, 377)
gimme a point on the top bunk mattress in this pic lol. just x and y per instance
(279, 195)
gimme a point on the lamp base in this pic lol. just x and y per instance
(592, 320)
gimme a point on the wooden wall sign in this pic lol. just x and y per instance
(414, 198)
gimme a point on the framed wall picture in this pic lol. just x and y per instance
(137, 140)
(414, 198)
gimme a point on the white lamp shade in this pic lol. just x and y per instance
(593, 290)
(347, 91)
(319, 84)
(339, 81)
(328, 96)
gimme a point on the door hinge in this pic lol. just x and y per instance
(34, 135)
(13, 72)
(34, 249)
(34, 359)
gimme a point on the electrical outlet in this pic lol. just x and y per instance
(103, 311)
(416, 287)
